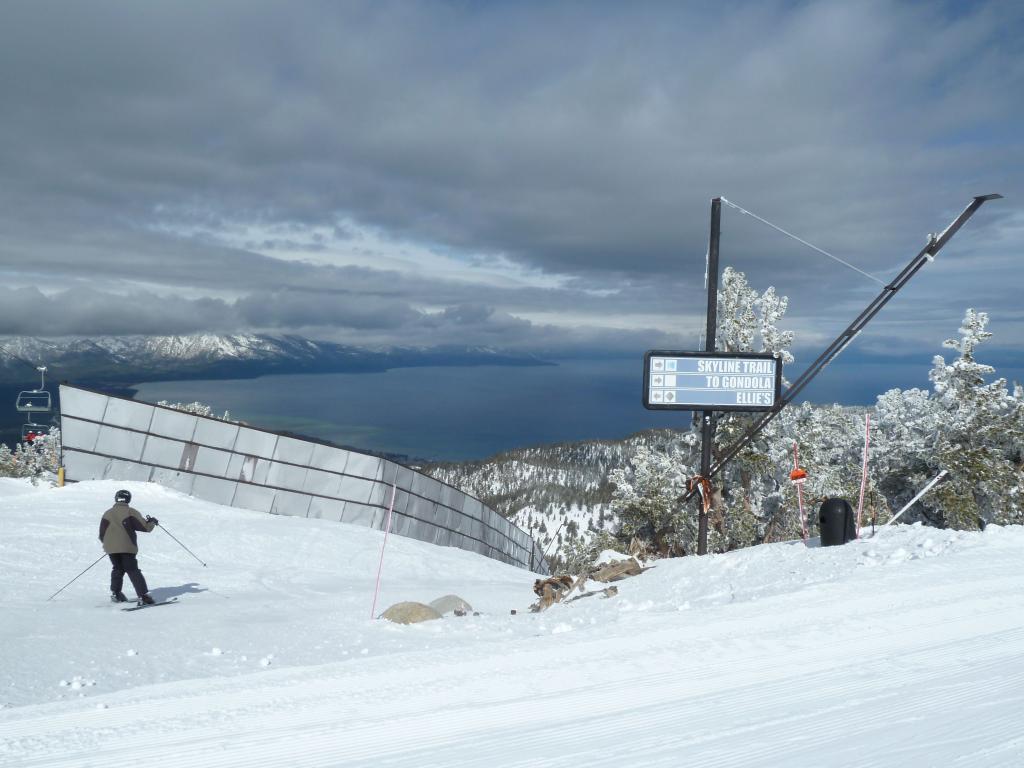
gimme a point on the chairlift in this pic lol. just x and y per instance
(30, 431)
(35, 400)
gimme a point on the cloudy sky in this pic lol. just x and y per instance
(532, 176)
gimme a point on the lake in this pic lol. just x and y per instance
(443, 413)
(458, 413)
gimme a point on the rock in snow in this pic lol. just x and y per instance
(451, 604)
(410, 613)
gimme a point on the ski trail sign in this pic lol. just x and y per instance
(719, 381)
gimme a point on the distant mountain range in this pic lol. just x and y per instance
(114, 363)
(124, 360)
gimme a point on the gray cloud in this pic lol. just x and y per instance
(296, 309)
(79, 311)
(346, 318)
(584, 140)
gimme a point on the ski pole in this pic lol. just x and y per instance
(161, 527)
(76, 578)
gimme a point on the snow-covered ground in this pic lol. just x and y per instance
(903, 650)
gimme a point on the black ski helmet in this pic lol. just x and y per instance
(124, 496)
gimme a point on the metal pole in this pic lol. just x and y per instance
(864, 469)
(387, 530)
(544, 554)
(76, 577)
(161, 527)
(707, 435)
(800, 494)
(935, 480)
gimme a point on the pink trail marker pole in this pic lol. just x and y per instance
(864, 469)
(800, 494)
(380, 565)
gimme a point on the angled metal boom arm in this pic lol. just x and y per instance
(842, 340)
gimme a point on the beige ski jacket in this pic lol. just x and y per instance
(118, 528)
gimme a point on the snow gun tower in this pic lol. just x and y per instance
(708, 382)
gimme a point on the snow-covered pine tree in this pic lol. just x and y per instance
(7, 467)
(197, 408)
(33, 459)
(906, 424)
(746, 318)
(579, 555)
(980, 433)
(647, 501)
(47, 449)
(747, 322)
(831, 442)
(23, 464)
(970, 428)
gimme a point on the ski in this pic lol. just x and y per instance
(154, 605)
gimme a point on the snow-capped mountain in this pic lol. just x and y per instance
(131, 359)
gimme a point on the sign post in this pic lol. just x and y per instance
(708, 382)
(707, 433)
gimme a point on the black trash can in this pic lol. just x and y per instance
(836, 522)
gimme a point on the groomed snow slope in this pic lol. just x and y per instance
(904, 650)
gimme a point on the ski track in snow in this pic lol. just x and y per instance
(904, 650)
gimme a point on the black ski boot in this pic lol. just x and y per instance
(146, 600)
(118, 597)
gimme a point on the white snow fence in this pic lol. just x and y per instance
(108, 437)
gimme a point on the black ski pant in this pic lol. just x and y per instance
(126, 563)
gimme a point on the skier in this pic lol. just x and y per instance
(118, 529)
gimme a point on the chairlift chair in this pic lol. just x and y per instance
(36, 430)
(35, 400)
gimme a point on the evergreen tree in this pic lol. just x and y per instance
(647, 500)
(580, 555)
(197, 408)
(981, 426)
(748, 488)
(744, 318)
(6, 461)
(33, 459)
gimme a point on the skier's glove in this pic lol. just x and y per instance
(152, 520)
